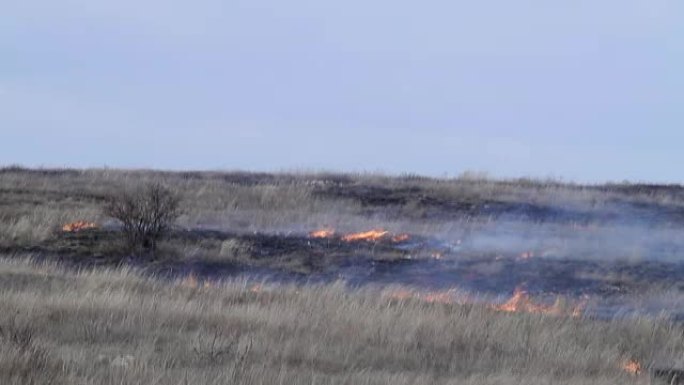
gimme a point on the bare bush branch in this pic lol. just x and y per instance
(145, 215)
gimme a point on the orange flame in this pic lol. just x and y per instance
(190, 281)
(578, 310)
(632, 367)
(400, 238)
(526, 255)
(446, 297)
(372, 235)
(401, 294)
(521, 302)
(78, 226)
(193, 282)
(323, 233)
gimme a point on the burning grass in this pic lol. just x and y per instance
(112, 326)
(447, 297)
(79, 226)
(370, 235)
(116, 327)
(374, 235)
(323, 233)
(632, 367)
(522, 302)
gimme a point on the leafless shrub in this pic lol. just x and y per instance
(145, 214)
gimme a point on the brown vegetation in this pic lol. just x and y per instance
(37, 202)
(115, 327)
(112, 326)
(145, 214)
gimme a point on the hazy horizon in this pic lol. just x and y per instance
(583, 91)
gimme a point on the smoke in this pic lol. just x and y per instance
(600, 242)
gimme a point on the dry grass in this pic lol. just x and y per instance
(116, 327)
(33, 203)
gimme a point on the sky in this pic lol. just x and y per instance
(580, 90)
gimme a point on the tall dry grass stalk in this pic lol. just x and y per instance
(112, 326)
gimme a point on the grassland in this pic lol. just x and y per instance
(36, 202)
(114, 324)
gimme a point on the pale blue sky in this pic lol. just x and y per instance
(584, 90)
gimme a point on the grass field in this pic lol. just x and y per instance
(102, 321)
(36, 202)
(111, 326)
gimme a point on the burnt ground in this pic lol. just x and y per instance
(421, 263)
(618, 210)
(637, 249)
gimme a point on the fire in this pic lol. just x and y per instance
(446, 297)
(78, 226)
(193, 282)
(632, 367)
(190, 281)
(526, 255)
(401, 294)
(521, 302)
(323, 233)
(400, 238)
(578, 310)
(372, 235)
